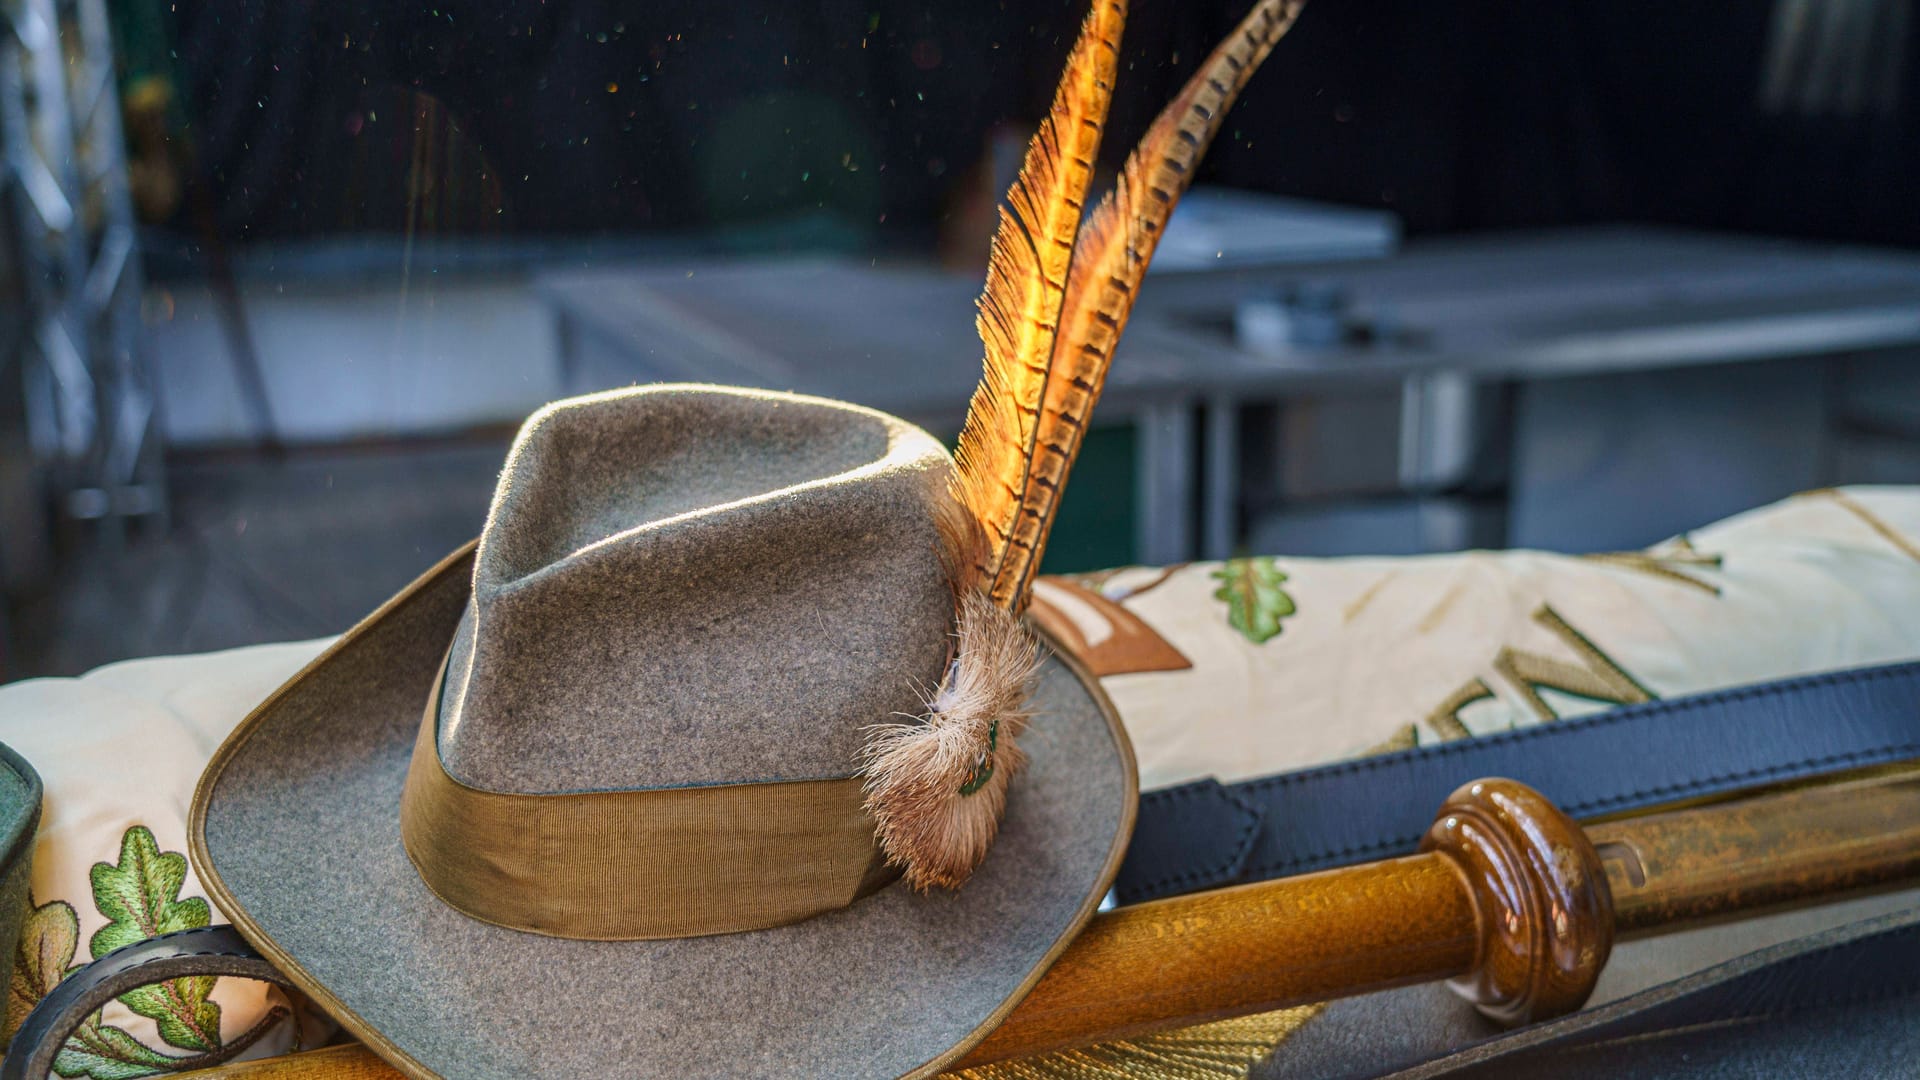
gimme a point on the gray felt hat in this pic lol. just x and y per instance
(617, 723)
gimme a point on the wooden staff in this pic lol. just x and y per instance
(1508, 898)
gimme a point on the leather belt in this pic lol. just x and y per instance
(1206, 834)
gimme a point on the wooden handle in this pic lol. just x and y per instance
(1540, 896)
(1508, 898)
(1507, 894)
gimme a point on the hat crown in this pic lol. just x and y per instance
(690, 585)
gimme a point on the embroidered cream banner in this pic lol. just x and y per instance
(1265, 664)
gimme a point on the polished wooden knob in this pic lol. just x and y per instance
(1539, 894)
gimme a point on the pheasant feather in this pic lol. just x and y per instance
(1109, 262)
(1057, 297)
(936, 786)
(1026, 278)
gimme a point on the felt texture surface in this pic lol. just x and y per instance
(298, 827)
(677, 586)
(692, 585)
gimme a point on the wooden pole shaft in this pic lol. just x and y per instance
(1508, 898)
(1685, 866)
(1264, 946)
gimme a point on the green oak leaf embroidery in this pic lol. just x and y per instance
(141, 898)
(49, 936)
(1255, 601)
(104, 1052)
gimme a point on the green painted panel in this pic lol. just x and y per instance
(1095, 526)
(1094, 529)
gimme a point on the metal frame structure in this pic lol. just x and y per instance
(91, 412)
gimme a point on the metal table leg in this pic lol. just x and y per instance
(1220, 479)
(1164, 479)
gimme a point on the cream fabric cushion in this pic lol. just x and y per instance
(1361, 654)
(119, 751)
(1230, 670)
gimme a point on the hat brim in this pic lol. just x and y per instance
(295, 834)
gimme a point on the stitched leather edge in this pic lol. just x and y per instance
(1235, 864)
(54, 1019)
(1547, 734)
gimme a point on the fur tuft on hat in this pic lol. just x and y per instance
(937, 831)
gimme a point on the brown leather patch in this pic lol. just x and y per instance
(1104, 636)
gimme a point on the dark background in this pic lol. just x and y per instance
(342, 199)
(582, 116)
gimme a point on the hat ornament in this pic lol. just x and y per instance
(1057, 297)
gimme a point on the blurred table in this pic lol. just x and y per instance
(1443, 320)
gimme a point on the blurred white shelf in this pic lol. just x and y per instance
(1220, 228)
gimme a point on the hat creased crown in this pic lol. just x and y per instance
(685, 585)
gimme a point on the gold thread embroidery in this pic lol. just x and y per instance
(1445, 720)
(1359, 603)
(1222, 1050)
(1871, 520)
(1667, 565)
(1438, 613)
(1596, 678)
(1406, 738)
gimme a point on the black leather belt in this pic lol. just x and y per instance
(1205, 834)
(208, 950)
